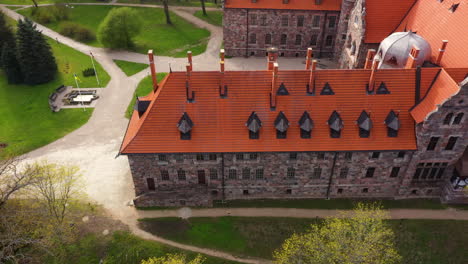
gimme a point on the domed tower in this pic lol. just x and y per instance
(395, 50)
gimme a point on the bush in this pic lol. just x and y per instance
(118, 28)
(88, 72)
(50, 14)
(76, 31)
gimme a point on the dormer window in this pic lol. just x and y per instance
(393, 124)
(383, 89)
(454, 7)
(365, 124)
(336, 125)
(281, 125)
(306, 124)
(185, 127)
(282, 90)
(254, 124)
(141, 106)
(327, 90)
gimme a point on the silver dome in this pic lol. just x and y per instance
(395, 49)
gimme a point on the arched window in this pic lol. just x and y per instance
(458, 119)
(268, 39)
(253, 38)
(448, 119)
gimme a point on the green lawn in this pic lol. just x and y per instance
(418, 241)
(173, 2)
(168, 40)
(130, 68)
(144, 88)
(27, 122)
(29, 2)
(119, 248)
(212, 17)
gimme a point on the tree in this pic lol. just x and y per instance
(35, 3)
(362, 237)
(203, 7)
(6, 34)
(118, 28)
(34, 54)
(166, 12)
(174, 259)
(10, 63)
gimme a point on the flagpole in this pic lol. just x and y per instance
(79, 90)
(94, 67)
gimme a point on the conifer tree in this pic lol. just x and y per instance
(10, 64)
(6, 34)
(34, 54)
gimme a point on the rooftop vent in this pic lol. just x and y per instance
(185, 125)
(253, 124)
(282, 90)
(306, 123)
(281, 122)
(454, 7)
(327, 90)
(383, 89)
(336, 124)
(365, 124)
(141, 106)
(393, 124)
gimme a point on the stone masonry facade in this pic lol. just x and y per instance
(249, 32)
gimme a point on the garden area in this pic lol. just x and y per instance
(418, 241)
(39, 2)
(144, 88)
(130, 68)
(212, 17)
(82, 22)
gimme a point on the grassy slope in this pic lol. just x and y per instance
(120, 248)
(212, 17)
(155, 34)
(171, 2)
(418, 241)
(130, 68)
(27, 122)
(29, 2)
(144, 88)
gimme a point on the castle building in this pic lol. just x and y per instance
(395, 128)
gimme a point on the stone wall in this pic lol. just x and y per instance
(343, 24)
(241, 24)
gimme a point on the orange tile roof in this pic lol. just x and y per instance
(383, 16)
(433, 21)
(457, 74)
(328, 5)
(442, 90)
(220, 123)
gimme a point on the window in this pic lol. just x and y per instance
(340, 191)
(179, 157)
(433, 143)
(162, 157)
(448, 119)
(401, 154)
(300, 21)
(253, 19)
(268, 39)
(150, 183)
(240, 156)
(201, 177)
(293, 156)
(200, 157)
(375, 155)
(185, 136)
(365, 190)
(181, 175)
(316, 22)
(313, 40)
(430, 171)
(164, 175)
(213, 174)
(334, 133)
(253, 156)
(284, 39)
(353, 48)
(395, 171)
(348, 156)
(212, 157)
(298, 40)
(344, 173)
(392, 132)
(246, 173)
(263, 20)
(329, 41)
(364, 133)
(253, 38)
(343, 36)
(305, 134)
(245, 192)
(458, 119)
(317, 173)
(232, 174)
(356, 20)
(254, 135)
(291, 173)
(370, 172)
(321, 156)
(284, 21)
(332, 21)
(259, 174)
(288, 191)
(451, 143)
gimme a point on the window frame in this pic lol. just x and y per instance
(370, 171)
(432, 145)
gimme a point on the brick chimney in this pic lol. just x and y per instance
(413, 56)
(369, 59)
(371, 87)
(272, 57)
(189, 58)
(188, 84)
(222, 85)
(153, 70)
(311, 85)
(308, 58)
(274, 84)
(441, 51)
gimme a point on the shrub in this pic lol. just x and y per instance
(76, 31)
(88, 72)
(118, 28)
(50, 14)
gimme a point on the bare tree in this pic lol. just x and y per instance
(203, 7)
(35, 3)
(166, 11)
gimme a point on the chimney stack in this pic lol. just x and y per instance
(222, 86)
(441, 51)
(311, 86)
(188, 83)
(369, 59)
(413, 56)
(189, 57)
(153, 70)
(375, 64)
(272, 57)
(274, 85)
(308, 58)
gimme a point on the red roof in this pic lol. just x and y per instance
(383, 16)
(435, 22)
(328, 5)
(219, 124)
(442, 90)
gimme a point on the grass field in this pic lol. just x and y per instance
(418, 241)
(212, 17)
(209, 3)
(27, 122)
(29, 2)
(168, 40)
(130, 68)
(120, 248)
(144, 88)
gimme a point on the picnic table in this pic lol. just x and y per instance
(83, 98)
